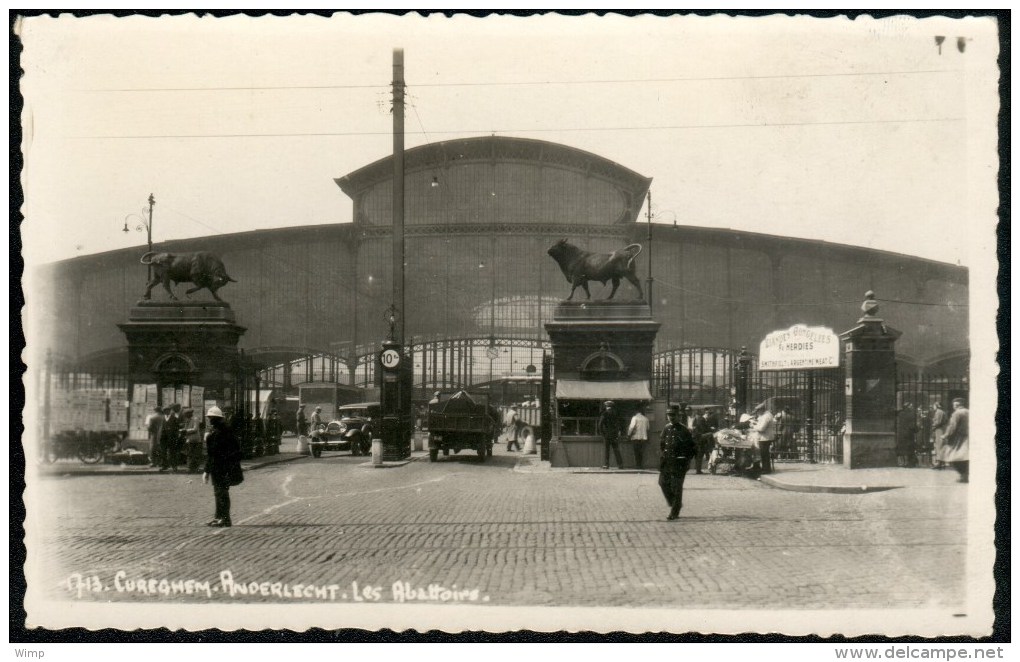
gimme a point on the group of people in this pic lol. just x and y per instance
(702, 427)
(941, 435)
(307, 425)
(175, 437)
(685, 439)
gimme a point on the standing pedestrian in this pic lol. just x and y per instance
(317, 419)
(302, 422)
(906, 428)
(609, 427)
(637, 432)
(676, 447)
(192, 440)
(172, 437)
(786, 427)
(939, 421)
(511, 428)
(222, 458)
(765, 427)
(704, 428)
(922, 440)
(957, 440)
(274, 432)
(154, 424)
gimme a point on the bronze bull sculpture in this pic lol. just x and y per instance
(202, 268)
(580, 266)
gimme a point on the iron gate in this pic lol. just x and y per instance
(810, 410)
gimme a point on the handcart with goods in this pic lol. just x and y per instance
(734, 447)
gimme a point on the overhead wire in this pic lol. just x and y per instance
(596, 81)
(744, 302)
(676, 127)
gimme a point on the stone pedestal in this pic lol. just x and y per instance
(624, 330)
(870, 437)
(602, 350)
(177, 343)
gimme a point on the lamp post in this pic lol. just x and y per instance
(146, 224)
(649, 250)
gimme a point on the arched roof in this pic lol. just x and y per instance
(497, 149)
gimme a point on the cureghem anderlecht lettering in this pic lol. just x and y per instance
(85, 586)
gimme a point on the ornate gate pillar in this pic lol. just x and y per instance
(870, 436)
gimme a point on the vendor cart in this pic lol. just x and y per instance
(737, 448)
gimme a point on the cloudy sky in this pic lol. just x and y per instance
(859, 132)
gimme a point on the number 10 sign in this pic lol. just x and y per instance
(390, 358)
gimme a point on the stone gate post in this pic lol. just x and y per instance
(870, 436)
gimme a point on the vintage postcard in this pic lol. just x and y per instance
(553, 323)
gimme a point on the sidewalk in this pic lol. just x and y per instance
(835, 479)
(76, 468)
(795, 477)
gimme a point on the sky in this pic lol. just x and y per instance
(856, 132)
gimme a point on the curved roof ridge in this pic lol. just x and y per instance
(446, 152)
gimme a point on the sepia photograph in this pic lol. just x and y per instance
(618, 324)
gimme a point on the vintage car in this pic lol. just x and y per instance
(351, 430)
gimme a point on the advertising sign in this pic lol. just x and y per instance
(800, 347)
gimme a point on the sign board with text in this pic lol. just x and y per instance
(800, 347)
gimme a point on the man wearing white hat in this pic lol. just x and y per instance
(222, 462)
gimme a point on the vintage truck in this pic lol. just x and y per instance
(461, 422)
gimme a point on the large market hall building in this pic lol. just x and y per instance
(480, 215)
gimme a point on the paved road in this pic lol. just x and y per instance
(308, 530)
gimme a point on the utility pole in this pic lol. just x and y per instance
(398, 192)
(650, 250)
(148, 228)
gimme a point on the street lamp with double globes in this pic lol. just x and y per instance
(147, 224)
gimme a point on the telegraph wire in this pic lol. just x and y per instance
(607, 81)
(414, 107)
(675, 127)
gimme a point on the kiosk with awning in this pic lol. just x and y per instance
(602, 350)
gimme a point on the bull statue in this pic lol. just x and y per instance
(202, 268)
(581, 266)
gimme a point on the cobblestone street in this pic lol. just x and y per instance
(461, 530)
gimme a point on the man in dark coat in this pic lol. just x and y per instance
(171, 438)
(676, 448)
(906, 429)
(609, 426)
(222, 455)
(704, 427)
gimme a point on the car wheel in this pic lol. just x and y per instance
(316, 451)
(433, 454)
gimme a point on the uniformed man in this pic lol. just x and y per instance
(676, 448)
(609, 427)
